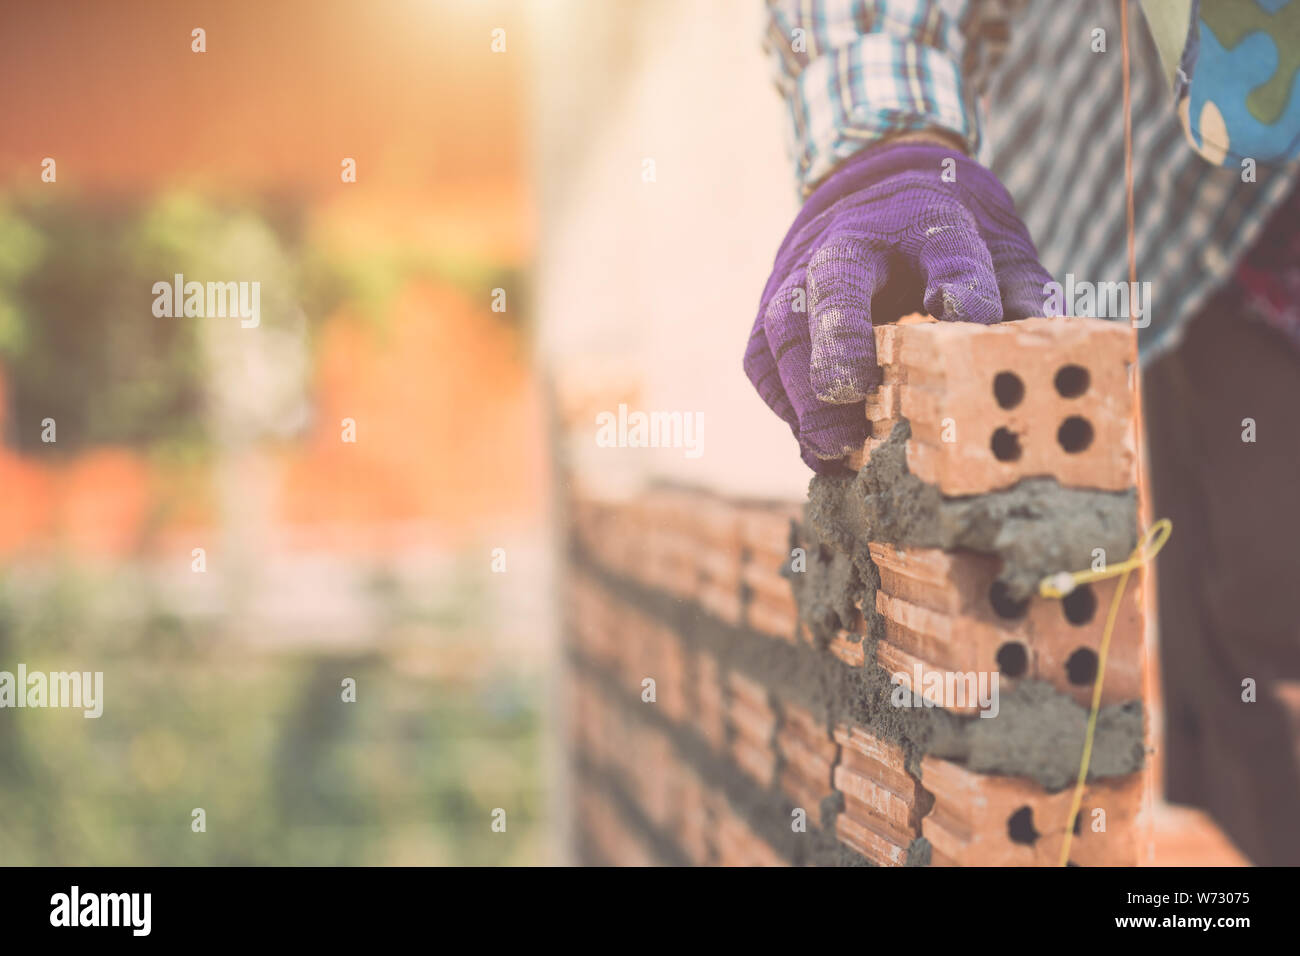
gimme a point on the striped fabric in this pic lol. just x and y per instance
(853, 71)
(1053, 130)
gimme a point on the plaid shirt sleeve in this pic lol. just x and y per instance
(855, 71)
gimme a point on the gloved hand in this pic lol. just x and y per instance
(883, 236)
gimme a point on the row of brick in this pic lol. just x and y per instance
(747, 723)
(944, 612)
(725, 557)
(882, 800)
(990, 405)
(614, 840)
(668, 791)
(699, 548)
(970, 819)
(634, 647)
(689, 685)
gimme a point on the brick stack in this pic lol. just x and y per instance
(709, 727)
(883, 803)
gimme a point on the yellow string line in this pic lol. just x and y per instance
(1055, 586)
(1059, 585)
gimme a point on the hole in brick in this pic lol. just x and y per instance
(1006, 445)
(1072, 381)
(1075, 434)
(1002, 601)
(1008, 389)
(1078, 823)
(1080, 605)
(1013, 659)
(1020, 827)
(1081, 668)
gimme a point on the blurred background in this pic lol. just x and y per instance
(324, 559)
(536, 147)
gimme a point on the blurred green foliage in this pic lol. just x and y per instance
(286, 772)
(77, 338)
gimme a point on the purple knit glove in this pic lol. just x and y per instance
(883, 236)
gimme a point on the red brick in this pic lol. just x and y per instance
(715, 533)
(867, 798)
(766, 529)
(710, 705)
(694, 823)
(654, 756)
(938, 611)
(950, 369)
(671, 544)
(755, 759)
(722, 602)
(804, 794)
(812, 761)
(748, 690)
(756, 724)
(669, 670)
(802, 721)
(738, 845)
(884, 762)
(614, 840)
(971, 822)
(882, 801)
(775, 620)
(849, 651)
(766, 583)
(874, 840)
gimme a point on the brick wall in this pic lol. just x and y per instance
(740, 673)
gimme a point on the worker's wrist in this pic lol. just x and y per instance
(933, 135)
(946, 140)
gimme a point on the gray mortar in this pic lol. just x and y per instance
(1037, 527)
(828, 592)
(1038, 733)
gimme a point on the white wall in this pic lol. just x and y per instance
(668, 272)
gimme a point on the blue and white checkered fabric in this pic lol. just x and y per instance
(1052, 129)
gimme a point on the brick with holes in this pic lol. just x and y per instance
(990, 405)
(946, 615)
(990, 820)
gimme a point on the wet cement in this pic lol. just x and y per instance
(1036, 527)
